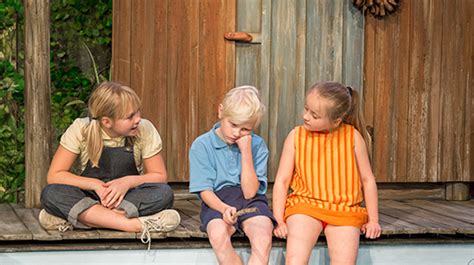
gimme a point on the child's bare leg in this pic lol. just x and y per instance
(343, 244)
(219, 233)
(259, 231)
(102, 217)
(303, 233)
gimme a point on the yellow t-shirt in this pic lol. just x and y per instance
(147, 145)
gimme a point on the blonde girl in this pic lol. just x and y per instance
(122, 184)
(325, 162)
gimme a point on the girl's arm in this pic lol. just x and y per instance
(155, 171)
(217, 204)
(58, 172)
(282, 182)
(248, 179)
(372, 228)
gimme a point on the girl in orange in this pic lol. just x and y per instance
(326, 164)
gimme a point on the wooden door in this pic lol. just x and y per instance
(296, 44)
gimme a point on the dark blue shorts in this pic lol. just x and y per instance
(233, 196)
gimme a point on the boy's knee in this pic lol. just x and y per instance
(218, 237)
(218, 232)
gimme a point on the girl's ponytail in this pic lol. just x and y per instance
(93, 139)
(109, 100)
(355, 117)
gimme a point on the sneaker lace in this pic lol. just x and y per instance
(64, 227)
(149, 225)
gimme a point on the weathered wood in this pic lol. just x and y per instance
(446, 225)
(38, 131)
(190, 218)
(392, 191)
(121, 41)
(400, 226)
(457, 191)
(408, 217)
(174, 55)
(417, 91)
(11, 226)
(112, 234)
(29, 218)
(466, 216)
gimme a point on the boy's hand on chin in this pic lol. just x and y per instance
(244, 143)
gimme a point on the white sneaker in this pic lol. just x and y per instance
(164, 221)
(51, 222)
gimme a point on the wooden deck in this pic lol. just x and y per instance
(409, 218)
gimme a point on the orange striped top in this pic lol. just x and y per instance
(326, 182)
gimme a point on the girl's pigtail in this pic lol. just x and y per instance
(355, 116)
(93, 139)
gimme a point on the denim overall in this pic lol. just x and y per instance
(68, 201)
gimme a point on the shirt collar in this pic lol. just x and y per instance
(106, 137)
(217, 142)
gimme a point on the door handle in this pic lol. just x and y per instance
(238, 36)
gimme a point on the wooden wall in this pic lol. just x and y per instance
(172, 52)
(418, 84)
(174, 55)
(414, 68)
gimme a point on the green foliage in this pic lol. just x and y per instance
(76, 24)
(12, 166)
(81, 36)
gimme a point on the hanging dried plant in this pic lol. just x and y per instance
(378, 8)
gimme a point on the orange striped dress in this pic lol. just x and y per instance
(326, 183)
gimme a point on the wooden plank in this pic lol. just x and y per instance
(285, 84)
(216, 56)
(448, 80)
(469, 83)
(11, 226)
(353, 46)
(383, 124)
(429, 226)
(113, 234)
(121, 41)
(466, 97)
(409, 192)
(369, 70)
(29, 218)
(466, 205)
(404, 23)
(442, 209)
(449, 224)
(191, 220)
(182, 70)
(399, 226)
(417, 98)
(154, 69)
(432, 71)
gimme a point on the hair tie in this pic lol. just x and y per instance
(349, 89)
(93, 118)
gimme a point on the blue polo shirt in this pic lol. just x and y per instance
(215, 164)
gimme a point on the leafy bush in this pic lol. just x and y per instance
(12, 166)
